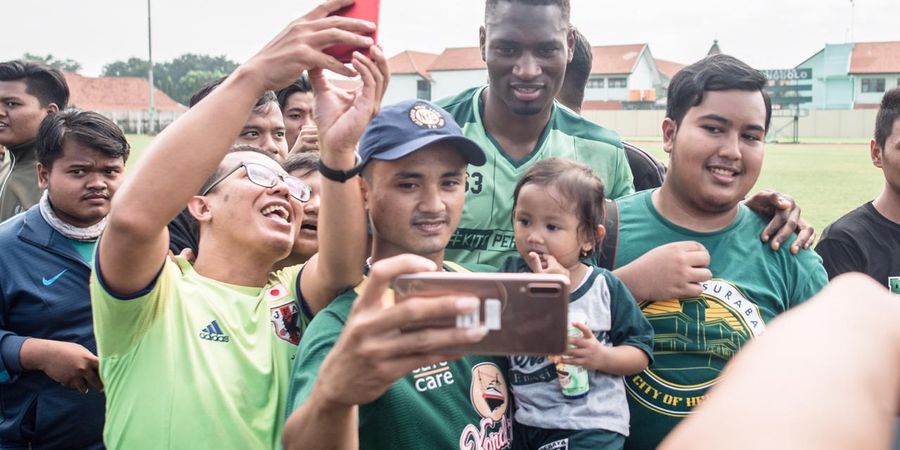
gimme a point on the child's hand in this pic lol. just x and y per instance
(545, 263)
(586, 350)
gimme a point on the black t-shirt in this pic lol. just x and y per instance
(863, 241)
(183, 233)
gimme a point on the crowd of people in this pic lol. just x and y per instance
(233, 289)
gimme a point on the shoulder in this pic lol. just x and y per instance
(631, 202)
(460, 106)
(567, 122)
(850, 225)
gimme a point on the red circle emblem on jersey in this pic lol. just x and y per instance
(275, 292)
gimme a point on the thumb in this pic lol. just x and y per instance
(383, 273)
(585, 331)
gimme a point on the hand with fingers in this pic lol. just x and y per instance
(67, 363)
(545, 263)
(299, 46)
(785, 220)
(585, 350)
(307, 141)
(679, 269)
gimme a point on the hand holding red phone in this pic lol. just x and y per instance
(361, 9)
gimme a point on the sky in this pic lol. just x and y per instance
(767, 34)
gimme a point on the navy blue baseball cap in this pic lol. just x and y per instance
(403, 128)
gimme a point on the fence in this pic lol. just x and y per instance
(817, 124)
(138, 121)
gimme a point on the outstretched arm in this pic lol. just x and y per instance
(180, 159)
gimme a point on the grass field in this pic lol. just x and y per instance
(827, 180)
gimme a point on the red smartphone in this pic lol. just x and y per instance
(525, 313)
(362, 9)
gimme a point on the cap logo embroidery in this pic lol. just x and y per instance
(426, 117)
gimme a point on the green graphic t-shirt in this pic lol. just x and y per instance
(485, 232)
(193, 363)
(461, 404)
(695, 337)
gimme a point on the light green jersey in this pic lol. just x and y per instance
(193, 363)
(485, 233)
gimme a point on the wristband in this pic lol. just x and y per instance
(340, 175)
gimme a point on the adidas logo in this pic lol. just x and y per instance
(212, 332)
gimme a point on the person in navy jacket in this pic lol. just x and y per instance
(50, 390)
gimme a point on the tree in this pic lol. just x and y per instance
(68, 65)
(178, 78)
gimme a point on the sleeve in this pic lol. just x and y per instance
(628, 325)
(10, 345)
(121, 321)
(840, 257)
(183, 233)
(317, 342)
(624, 179)
(810, 277)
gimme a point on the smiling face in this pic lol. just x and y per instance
(716, 151)
(526, 49)
(298, 112)
(545, 223)
(81, 183)
(20, 113)
(307, 241)
(265, 129)
(415, 202)
(249, 216)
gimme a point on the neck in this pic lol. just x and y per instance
(888, 204)
(218, 262)
(292, 260)
(383, 251)
(687, 214)
(576, 274)
(516, 134)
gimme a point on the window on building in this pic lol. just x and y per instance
(873, 85)
(423, 89)
(618, 82)
(595, 83)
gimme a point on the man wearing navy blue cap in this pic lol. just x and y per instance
(413, 158)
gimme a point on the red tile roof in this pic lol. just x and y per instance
(668, 68)
(616, 59)
(461, 58)
(116, 94)
(875, 57)
(410, 62)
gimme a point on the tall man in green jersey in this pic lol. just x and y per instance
(357, 379)
(714, 131)
(199, 356)
(526, 46)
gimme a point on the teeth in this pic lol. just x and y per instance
(718, 171)
(280, 210)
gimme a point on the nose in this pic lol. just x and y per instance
(431, 201)
(311, 207)
(731, 146)
(95, 182)
(273, 145)
(535, 237)
(527, 67)
(280, 188)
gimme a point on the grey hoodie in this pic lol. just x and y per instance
(18, 180)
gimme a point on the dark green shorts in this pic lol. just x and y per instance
(532, 438)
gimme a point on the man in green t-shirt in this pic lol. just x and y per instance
(199, 356)
(357, 379)
(714, 131)
(526, 46)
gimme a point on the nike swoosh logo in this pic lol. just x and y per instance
(53, 280)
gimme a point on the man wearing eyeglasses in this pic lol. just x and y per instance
(199, 356)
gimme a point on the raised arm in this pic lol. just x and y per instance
(342, 117)
(179, 160)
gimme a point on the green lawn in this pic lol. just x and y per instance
(827, 180)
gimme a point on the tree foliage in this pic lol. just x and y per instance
(68, 65)
(178, 78)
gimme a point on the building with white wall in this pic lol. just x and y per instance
(409, 77)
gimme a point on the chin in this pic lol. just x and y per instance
(526, 110)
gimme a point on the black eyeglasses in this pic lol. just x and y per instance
(261, 175)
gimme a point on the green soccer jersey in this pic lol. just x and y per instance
(461, 404)
(485, 232)
(193, 363)
(695, 337)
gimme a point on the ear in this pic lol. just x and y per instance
(43, 174)
(876, 154)
(669, 131)
(588, 245)
(52, 108)
(199, 208)
(482, 39)
(570, 43)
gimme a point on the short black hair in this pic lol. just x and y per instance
(88, 128)
(47, 84)
(261, 102)
(577, 73)
(563, 5)
(306, 163)
(301, 84)
(576, 183)
(888, 113)
(713, 73)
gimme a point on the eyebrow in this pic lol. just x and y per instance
(408, 174)
(12, 97)
(724, 121)
(455, 173)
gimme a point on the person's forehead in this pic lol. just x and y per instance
(235, 158)
(76, 153)
(299, 100)
(269, 116)
(16, 88)
(435, 157)
(745, 107)
(527, 20)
